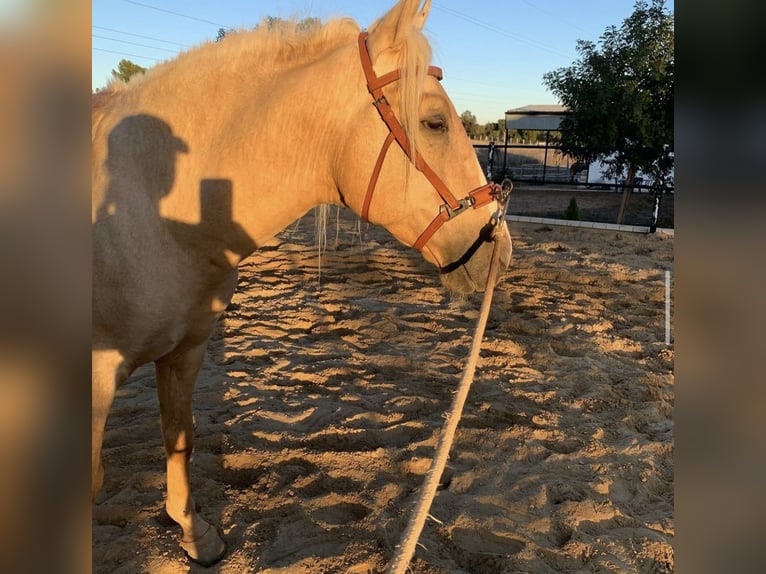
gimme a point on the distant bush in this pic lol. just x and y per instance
(572, 211)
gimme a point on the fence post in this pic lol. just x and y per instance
(505, 153)
(545, 160)
(655, 211)
(490, 159)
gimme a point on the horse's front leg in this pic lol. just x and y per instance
(108, 372)
(176, 376)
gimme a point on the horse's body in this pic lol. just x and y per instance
(207, 157)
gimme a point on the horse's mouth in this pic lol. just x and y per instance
(485, 236)
(471, 275)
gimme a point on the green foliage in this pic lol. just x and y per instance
(469, 123)
(620, 94)
(494, 131)
(306, 24)
(126, 70)
(572, 212)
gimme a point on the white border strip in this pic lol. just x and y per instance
(588, 224)
(667, 307)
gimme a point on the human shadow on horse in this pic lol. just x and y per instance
(130, 234)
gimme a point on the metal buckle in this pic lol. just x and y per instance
(501, 193)
(462, 205)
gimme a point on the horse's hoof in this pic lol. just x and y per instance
(207, 549)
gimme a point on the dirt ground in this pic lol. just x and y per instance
(321, 399)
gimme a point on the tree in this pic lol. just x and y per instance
(306, 24)
(126, 70)
(493, 130)
(620, 96)
(469, 123)
(221, 34)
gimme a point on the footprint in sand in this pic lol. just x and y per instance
(481, 550)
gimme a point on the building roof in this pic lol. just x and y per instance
(541, 117)
(541, 109)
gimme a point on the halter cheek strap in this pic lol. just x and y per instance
(451, 207)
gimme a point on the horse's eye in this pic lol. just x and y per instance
(436, 124)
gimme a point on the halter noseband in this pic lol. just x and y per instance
(451, 207)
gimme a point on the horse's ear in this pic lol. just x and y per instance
(420, 18)
(396, 25)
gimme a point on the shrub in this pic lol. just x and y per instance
(572, 211)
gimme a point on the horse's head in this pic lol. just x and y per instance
(408, 164)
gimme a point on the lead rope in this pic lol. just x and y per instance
(406, 547)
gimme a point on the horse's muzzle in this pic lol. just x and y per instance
(468, 273)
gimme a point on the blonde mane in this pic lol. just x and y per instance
(249, 54)
(268, 49)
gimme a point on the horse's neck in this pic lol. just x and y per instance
(272, 149)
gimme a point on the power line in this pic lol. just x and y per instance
(133, 43)
(126, 54)
(178, 14)
(500, 31)
(472, 97)
(141, 36)
(556, 16)
(451, 78)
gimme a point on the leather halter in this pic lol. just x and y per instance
(477, 198)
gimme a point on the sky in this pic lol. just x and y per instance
(494, 53)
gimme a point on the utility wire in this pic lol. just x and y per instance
(126, 54)
(557, 17)
(140, 36)
(451, 78)
(178, 14)
(133, 43)
(500, 31)
(475, 97)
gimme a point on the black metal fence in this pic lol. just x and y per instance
(543, 164)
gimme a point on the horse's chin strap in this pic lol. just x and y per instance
(451, 207)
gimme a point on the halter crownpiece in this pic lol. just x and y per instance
(451, 207)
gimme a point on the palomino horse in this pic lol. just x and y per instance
(191, 175)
